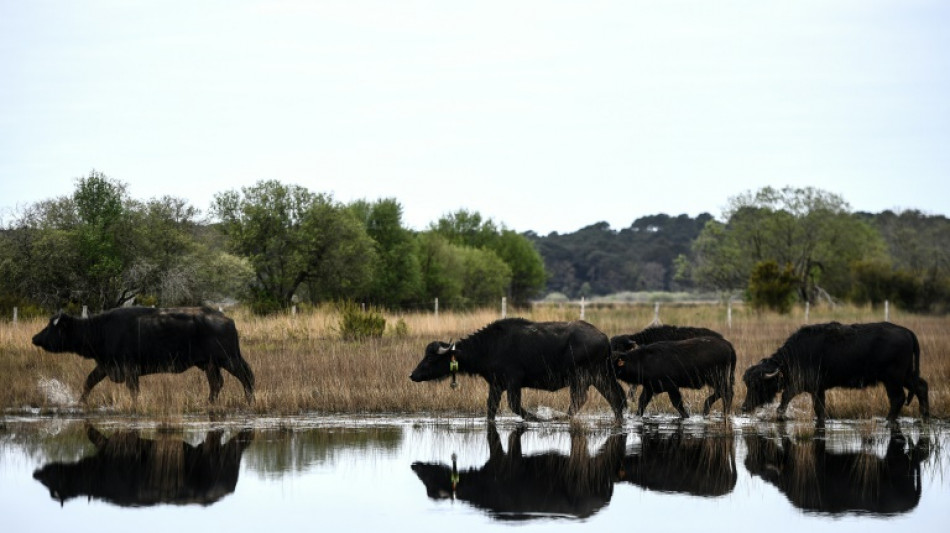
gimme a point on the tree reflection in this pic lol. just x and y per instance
(131, 471)
(515, 486)
(817, 480)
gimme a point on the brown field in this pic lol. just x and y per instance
(302, 366)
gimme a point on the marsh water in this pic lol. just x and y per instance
(444, 474)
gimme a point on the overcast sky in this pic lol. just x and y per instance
(541, 115)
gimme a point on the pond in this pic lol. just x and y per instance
(438, 474)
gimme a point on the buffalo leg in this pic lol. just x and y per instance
(132, 382)
(677, 400)
(818, 403)
(923, 399)
(94, 377)
(215, 381)
(514, 403)
(608, 387)
(578, 398)
(707, 405)
(239, 368)
(727, 395)
(645, 398)
(494, 400)
(895, 393)
(787, 396)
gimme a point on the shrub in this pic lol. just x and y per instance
(356, 324)
(772, 288)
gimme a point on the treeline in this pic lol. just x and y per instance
(274, 245)
(776, 247)
(270, 246)
(597, 260)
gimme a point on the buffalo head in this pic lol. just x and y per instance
(762, 381)
(57, 335)
(437, 362)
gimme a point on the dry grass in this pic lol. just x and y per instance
(301, 365)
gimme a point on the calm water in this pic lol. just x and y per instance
(462, 475)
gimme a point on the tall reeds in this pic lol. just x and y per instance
(302, 364)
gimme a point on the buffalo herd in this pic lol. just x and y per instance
(514, 353)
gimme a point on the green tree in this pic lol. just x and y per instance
(398, 278)
(461, 277)
(525, 263)
(441, 268)
(293, 237)
(103, 241)
(718, 261)
(809, 229)
(526, 267)
(98, 247)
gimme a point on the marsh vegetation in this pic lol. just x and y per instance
(303, 364)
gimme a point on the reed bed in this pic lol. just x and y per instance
(302, 365)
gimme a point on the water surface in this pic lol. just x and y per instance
(419, 474)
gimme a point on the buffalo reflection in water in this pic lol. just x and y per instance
(517, 487)
(130, 471)
(681, 462)
(816, 480)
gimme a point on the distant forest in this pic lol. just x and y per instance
(902, 257)
(273, 246)
(598, 260)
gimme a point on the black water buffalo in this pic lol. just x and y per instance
(131, 471)
(623, 343)
(514, 353)
(667, 366)
(820, 481)
(513, 486)
(823, 356)
(651, 334)
(127, 343)
(678, 462)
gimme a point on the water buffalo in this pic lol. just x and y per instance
(651, 334)
(127, 343)
(131, 471)
(667, 366)
(816, 480)
(823, 356)
(514, 353)
(679, 462)
(514, 486)
(623, 343)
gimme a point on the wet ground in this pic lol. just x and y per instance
(69, 473)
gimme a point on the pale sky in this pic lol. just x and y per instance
(541, 115)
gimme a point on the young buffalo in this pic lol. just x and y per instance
(666, 366)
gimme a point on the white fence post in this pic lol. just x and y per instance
(887, 311)
(656, 314)
(729, 313)
(504, 307)
(14, 315)
(583, 303)
(437, 308)
(807, 309)
(85, 311)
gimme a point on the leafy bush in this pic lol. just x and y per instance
(356, 324)
(772, 288)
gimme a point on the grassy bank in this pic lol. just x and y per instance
(301, 365)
